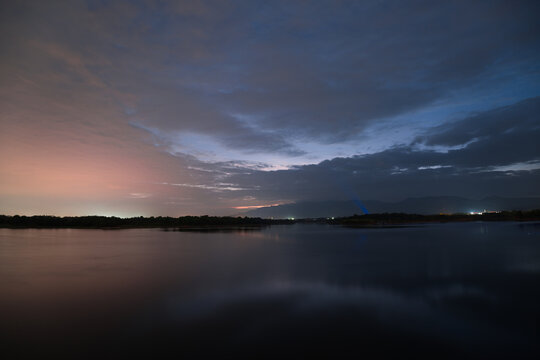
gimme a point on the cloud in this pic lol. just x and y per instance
(139, 195)
(504, 159)
(295, 71)
(279, 101)
(497, 137)
(502, 121)
(218, 187)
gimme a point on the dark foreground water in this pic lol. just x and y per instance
(442, 291)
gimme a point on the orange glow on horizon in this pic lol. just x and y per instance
(254, 206)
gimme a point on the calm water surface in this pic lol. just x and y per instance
(468, 290)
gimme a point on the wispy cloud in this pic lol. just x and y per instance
(254, 206)
(139, 195)
(216, 187)
(104, 103)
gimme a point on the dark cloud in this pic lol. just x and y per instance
(497, 137)
(316, 71)
(393, 183)
(346, 66)
(399, 99)
(517, 118)
(497, 162)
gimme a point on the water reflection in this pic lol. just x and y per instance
(316, 317)
(237, 230)
(467, 290)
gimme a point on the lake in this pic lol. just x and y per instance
(467, 290)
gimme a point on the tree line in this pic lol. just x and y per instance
(404, 218)
(45, 221)
(104, 222)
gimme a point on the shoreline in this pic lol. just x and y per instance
(223, 224)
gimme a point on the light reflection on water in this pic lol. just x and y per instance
(449, 290)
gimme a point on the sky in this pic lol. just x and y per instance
(132, 108)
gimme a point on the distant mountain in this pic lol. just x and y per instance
(423, 205)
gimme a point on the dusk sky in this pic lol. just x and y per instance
(185, 107)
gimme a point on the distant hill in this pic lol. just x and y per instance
(423, 205)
